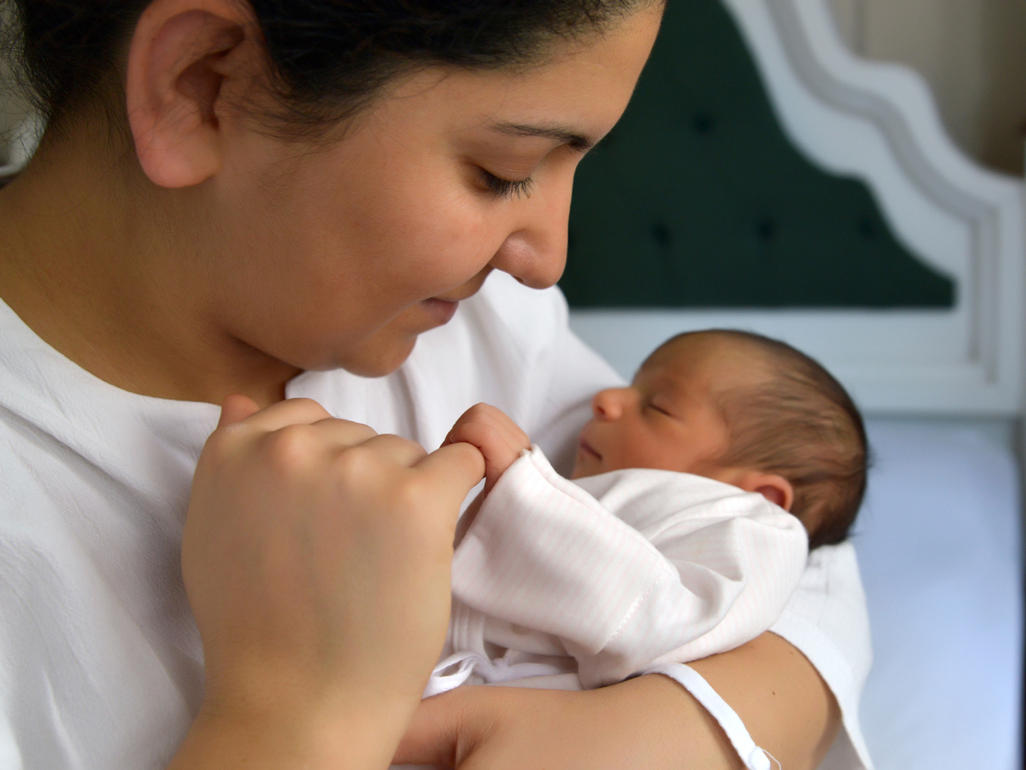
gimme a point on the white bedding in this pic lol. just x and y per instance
(939, 543)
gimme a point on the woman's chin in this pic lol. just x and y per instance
(377, 358)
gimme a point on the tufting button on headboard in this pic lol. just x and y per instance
(766, 229)
(703, 123)
(867, 229)
(661, 235)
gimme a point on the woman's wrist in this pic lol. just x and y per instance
(354, 734)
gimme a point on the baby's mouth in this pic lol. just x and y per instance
(589, 449)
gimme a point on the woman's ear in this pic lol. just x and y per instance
(772, 486)
(181, 55)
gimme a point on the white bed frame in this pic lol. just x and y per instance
(879, 123)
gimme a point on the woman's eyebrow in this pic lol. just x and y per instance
(560, 134)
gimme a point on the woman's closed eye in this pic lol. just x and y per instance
(507, 188)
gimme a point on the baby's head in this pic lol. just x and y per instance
(744, 409)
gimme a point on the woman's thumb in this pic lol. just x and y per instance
(439, 732)
(236, 408)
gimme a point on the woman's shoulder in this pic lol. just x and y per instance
(827, 620)
(830, 606)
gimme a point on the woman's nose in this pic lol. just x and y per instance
(535, 265)
(608, 404)
(535, 252)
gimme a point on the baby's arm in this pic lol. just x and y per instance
(496, 436)
(676, 578)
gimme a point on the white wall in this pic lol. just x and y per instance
(972, 54)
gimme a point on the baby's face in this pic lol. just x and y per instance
(667, 418)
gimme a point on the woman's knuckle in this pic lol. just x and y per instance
(411, 493)
(355, 464)
(288, 447)
(418, 451)
(364, 432)
(218, 444)
(306, 403)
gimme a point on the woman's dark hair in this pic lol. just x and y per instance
(326, 59)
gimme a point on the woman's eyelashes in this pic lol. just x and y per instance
(507, 188)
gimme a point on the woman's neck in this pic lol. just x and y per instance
(91, 260)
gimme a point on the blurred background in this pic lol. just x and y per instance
(973, 55)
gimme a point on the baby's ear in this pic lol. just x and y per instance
(772, 486)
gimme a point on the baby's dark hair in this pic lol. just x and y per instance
(327, 58)
(799, 422)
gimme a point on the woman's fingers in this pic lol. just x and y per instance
(292, 411)
(314, 549)
(297, 421)
(390, 448)
(347, 433)
(455, 469)
(454, 465)
(236, 408)
(444, 729)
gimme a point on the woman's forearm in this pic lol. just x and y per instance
(649, 722)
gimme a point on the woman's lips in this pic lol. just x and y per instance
(441, 310)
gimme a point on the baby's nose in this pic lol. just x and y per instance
(608, 404)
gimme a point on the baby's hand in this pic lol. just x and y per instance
(496, 436)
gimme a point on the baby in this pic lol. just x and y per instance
(698, 491)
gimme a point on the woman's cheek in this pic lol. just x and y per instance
(461, 246)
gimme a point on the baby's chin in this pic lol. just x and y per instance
(582, 471)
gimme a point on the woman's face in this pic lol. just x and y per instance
(342, 256)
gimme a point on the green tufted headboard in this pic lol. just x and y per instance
(698, 199)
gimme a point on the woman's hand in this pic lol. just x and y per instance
(497, 437)
(648, 723)
(316, 558)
